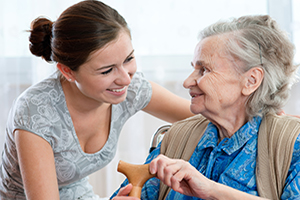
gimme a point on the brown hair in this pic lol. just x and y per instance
(80, 30)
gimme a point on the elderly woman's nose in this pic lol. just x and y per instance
(189, 81)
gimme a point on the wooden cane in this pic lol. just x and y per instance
(137, 175)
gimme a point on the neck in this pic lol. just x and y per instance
(228, 122)
(80, 103)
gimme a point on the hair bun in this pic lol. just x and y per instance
(40, 38)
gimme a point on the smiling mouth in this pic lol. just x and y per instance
(195, 95)
(117, 90)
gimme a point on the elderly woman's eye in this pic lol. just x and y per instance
(203, 70)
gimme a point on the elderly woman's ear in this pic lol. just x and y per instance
(253, 78)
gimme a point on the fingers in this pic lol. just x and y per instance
(158, 164)
(166, 169)
(181, 176)
(177, 180)
(123, 193)
(281, 112)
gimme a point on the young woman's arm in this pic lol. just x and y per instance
(167, 106)
(37, 166)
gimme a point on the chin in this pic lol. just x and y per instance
(117, 101)
(195, 109)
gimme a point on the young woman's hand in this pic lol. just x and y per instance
(123, 193)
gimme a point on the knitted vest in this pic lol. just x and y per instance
(276, 138)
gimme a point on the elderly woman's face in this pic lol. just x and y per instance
(215, 85)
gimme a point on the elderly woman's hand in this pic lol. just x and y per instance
(181, 176)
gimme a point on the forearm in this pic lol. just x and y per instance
(167, 106)
(224, 192)
(37, 166)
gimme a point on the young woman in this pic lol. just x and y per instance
(66, 127)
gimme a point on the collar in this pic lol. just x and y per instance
(229, 145)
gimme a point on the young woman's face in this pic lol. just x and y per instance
(108, 72)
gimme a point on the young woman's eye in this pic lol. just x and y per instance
(108, 71)
(129, 59)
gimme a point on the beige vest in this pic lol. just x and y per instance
(276, 138)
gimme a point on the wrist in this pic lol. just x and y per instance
(214, 191)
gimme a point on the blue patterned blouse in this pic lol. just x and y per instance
(232, 162)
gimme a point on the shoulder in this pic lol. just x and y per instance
(43, 95)
(278, 125)
(196, 119)
(279, 137)
(138, 82)
(185, 131)
(189, 123)
(139, 92)
(43, 91)
(273, 118)
(39, 106)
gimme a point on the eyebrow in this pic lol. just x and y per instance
(129, 55)
(200, 63)
(109, 66)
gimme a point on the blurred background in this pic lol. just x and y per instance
(164, 34)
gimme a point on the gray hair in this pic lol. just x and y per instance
(257, 41)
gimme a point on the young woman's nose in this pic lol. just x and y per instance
(124, 76)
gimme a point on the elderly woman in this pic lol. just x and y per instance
(238, 148)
